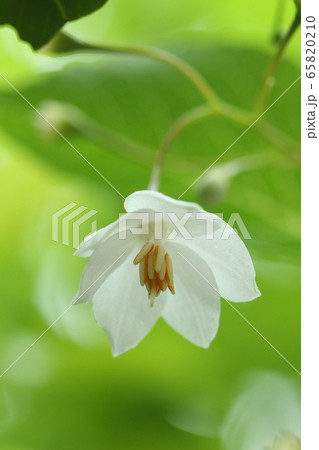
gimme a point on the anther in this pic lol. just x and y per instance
(159, 257)
(155, 270)
(143, 252)
(150, 265)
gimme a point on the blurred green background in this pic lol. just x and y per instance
(67, 391)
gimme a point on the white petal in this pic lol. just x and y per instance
(156, 201)
(197, 223)
(230, 261)
(104, 260)
(194, 310)
(122, 308)
(90, 242)
(203, 223)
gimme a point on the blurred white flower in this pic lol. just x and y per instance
(184, 267)
(265, 415)
(287, 441)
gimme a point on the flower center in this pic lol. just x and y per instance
(156, 269)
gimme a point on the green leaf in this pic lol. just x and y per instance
(139, 100)
(37, 20)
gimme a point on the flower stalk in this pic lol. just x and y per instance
(183, 122)
(214, 105)
(267, 82)
(163, 56)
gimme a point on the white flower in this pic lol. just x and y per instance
(264, 415)
(286, 441)
(187, 271)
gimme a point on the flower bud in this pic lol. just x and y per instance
(214, 186)
(56, 116)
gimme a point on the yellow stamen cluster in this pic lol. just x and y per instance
(156, 270)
